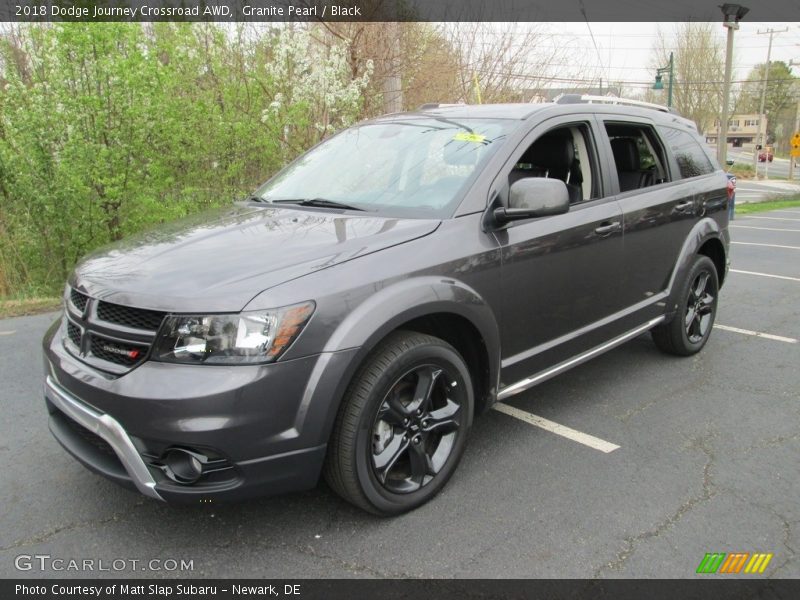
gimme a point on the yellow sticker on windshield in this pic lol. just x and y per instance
(475, 138)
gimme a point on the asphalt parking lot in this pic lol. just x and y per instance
(708, 460)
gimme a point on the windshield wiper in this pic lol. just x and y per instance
(451, 122)
(317, 202)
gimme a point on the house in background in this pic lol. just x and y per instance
(742, 129)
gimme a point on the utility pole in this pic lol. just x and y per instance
(761, 138)
(392, 85)
(731, 15)
(793, 158)
(722, 138)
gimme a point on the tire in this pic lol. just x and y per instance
(394, 447)
(690, 328)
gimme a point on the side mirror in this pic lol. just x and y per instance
(533, 197)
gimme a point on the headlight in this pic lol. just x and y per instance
(247, 337)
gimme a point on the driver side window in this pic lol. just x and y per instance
(563, 153)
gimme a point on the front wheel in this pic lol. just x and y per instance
(690, 329)
(403, 425)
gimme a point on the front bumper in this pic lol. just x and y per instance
(266, 425)
(105, 427)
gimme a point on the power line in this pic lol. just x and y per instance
(630, 68)
(635, 83)
(589, 27)
(540, 44)
(595, 35)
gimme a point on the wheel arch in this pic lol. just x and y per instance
(705, 238)
(713, 249)
(441, 307)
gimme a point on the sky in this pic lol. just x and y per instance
(623, 50)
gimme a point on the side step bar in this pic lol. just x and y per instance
(529, 382)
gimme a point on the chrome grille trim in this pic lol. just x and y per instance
(104, 335)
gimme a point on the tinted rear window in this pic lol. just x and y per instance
(691, 158)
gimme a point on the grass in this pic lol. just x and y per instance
(745, 171)
(756, 207)
(742, 170)
(19, 307)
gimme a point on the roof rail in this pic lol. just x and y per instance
(589, 99)
(430, 105)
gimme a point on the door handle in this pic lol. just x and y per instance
(684, 206)
(607, 228)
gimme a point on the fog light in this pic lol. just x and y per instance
(183, 466)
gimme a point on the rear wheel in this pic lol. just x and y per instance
(690, 329)
(403, 425)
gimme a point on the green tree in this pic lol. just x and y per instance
(783, 90)
(109, 128)
(699, 58)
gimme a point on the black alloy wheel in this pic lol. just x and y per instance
(402, 426)
(691, 326)
(416, 428)
(699, 308)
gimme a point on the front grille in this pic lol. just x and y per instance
(120, 353)
(78, 300)
(135, 318)
(108, 336)
(74, 333)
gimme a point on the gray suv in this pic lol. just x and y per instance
(353, 316)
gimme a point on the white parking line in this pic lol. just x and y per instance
(553, 427)
(768, 336)
(767, 245)
(764, 228)
(765, 275)
(771, 218)
(7, 332)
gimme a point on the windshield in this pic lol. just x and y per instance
(410, 167)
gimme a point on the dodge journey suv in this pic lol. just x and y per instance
(352, 317)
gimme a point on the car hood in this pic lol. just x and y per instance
(219, 262)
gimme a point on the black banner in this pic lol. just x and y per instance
(227, 589)
(386, 10)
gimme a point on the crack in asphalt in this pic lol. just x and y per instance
(772, 442)
(465, 563)
(787, 531)
(305, 550)
(352, 567)
(76, 525)
(310, 551)
(708, 492)
(780, 567)
(786, 524)
(626, 416)
(332, 518)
